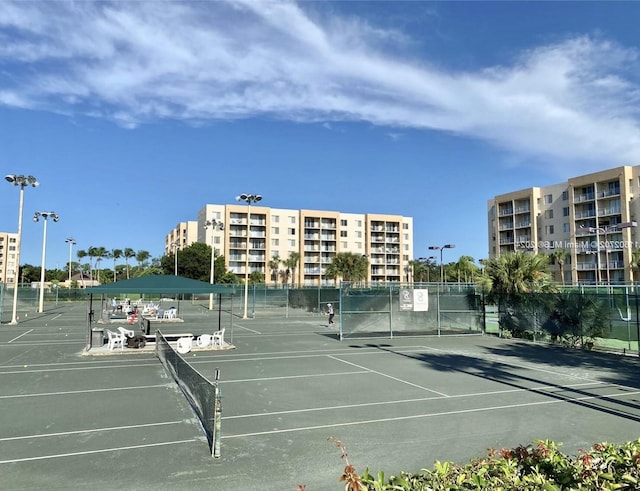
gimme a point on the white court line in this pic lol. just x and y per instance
(310, 375)
(90, 452)
(18, 337)
(86, 391)
(113, 367)
(420, 416)
(246, 329)
(398, 401)
(78, 432)
(56, 317)
(389, 376)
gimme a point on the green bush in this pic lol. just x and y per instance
(540, 466)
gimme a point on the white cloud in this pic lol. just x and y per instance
(132, 62)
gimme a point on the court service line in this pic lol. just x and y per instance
(388, 376)
(415, 416)
(78, 432)
(86, 391)
(90, 452)
(18, 337)
(398, 401)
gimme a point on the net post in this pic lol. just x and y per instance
(217, 417)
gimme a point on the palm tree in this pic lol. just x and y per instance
(558, 256)
(348, 266)
(100, 253)
(635, 262)
(292, 263)
(514, 274)
(128, 253)
(81, 254)
(274, 266)
(465, 268)
(115, 254)
(142, 257)
(91, 252)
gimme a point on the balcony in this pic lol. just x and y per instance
(581, 198)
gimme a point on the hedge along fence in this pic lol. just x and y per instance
(577, 317)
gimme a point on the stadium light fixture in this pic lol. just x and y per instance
(22, 182)
(247, 198)
(71, 241)
(213, 224)
(45, 218)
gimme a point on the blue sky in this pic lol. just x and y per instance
(134, 115)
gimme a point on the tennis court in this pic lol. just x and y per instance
(72, 421)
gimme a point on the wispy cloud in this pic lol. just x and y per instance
(134, 62)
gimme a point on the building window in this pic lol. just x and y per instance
(344, 245)
(548, 229)
(291, 231)
(548, 199)
(565, 195)
(565, 228)
(292, 220)
(343, 223)
(358, 245)
(358, 223)
(276, 218)
(565, 211)
(292, 242)
(275, 242)
(275, 230)
(405, 226)
(358, 234)
(343, 233)
(548, 214)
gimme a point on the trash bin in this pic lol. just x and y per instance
(97, 338)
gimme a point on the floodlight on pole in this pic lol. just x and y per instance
(174, 245)
(213, 224)
(441, 249)
(71, 241)
(45, 218)
(23, 182)
(606, 230)
(247, 198)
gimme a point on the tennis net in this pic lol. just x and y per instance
(202, 394)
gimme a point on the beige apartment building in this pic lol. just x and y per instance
(317, 236)
(185, 234)
(8, 268)
(592, 217)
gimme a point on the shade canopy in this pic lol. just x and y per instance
(160, 284)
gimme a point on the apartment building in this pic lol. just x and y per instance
(272, 234)
(592, 217)
(183, 235)
(8, 267)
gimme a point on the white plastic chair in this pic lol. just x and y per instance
(218, 338)
(169, 314)
(127, 333)
(204, 340)
(184, 345)
(115, 339)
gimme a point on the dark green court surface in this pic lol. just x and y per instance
(119, 422)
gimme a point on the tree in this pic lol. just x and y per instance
(558, 256)
(128, 253)
(274, 266)
(81, 254)
(256, 277)
(115, 254)
(142, 257)
(292, 263)
(100, 253)
(515, 273)
(465, 268)
(348, 267)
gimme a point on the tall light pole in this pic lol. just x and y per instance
(212, 224)
(247, 198)
(174, 245)
(23, 182)
(36, 218)
(441, 248)
(71, 241)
